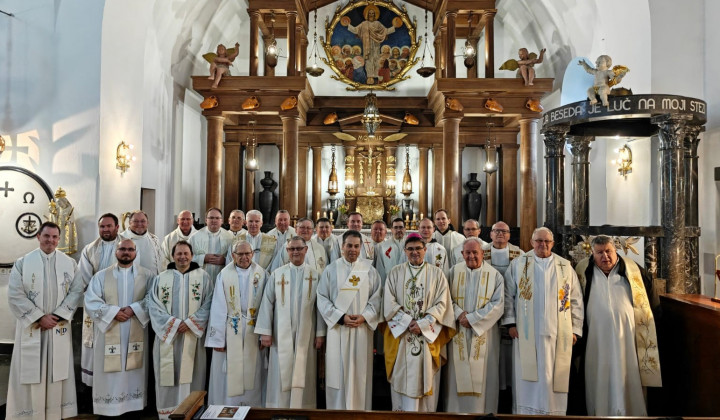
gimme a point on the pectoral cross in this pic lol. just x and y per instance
(354, 280)
(310, 279)
(282, 288)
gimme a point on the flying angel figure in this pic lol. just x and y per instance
(221, 61)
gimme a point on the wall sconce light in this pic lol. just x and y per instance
(407, 180)
(333, 180)
(124, 157)
(2, 145)
(490, 166)
(624, 160)
(251, 163)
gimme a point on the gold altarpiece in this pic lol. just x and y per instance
(370, 170)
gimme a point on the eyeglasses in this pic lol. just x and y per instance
(296, 249)
(243, 254)
(415, 248)
(500, 231)
(126, 249)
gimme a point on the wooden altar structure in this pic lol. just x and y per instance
(443, 131)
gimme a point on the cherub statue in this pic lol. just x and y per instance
(525, 65)
(221, 61)
(605, 78)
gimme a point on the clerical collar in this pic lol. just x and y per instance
(351, 264)
(214, 233)
(183, 233)
(476, 269)
(111, 241)
(243, 270)
(449, 229)
(543, 261)
(193, 266)
(416, 266)
(138, 234)
(124, 269)
(50, 255)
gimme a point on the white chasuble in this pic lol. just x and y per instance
(543, 297)
(621, 351)
(263, 246)
(170, 240)
(42, 380)
(149, 250)
(474, 352)
(206, 242)
(176, 298)
(97, 255)
(413, 362)
(289, 315)
(349, 289)
(117, 391)
(237, 298)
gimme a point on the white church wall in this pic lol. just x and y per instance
(49, 91)
(709, 151)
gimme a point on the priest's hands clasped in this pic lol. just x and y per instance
(353, 321)
(124, 314)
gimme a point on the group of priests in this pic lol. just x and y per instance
(454, 318)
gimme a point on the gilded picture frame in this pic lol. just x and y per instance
(370, 44)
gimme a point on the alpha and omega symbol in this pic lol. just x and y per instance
(32, 198)
(28, 224)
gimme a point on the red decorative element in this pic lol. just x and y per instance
(387, 253)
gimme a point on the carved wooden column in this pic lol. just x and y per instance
(673, 198)
(489, 16)
(233, 176)
(440, 53)
(437, 175)
(289, 163)
(317, 181)
(580, 149)
(451, 167)
(450, 45)
(508, 186)
(555, 180)
(213, 178)
(302, 181)
(292, 45)
(254, 41)
(491, 189)
(423, 180)
(302, 43)
(528, 180)
(269, 71)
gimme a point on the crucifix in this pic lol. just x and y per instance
(282, 288)
(310, 279)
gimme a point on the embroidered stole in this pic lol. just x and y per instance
(241, 373)
(94, 254)
(526, 322)
(113, 352)
(61, 335)
(346, 340)
(645, 334)
(293, 366)
(470, 364)
(167, 358)
(267, 249)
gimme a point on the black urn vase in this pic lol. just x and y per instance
(473, 199)
(267, 197)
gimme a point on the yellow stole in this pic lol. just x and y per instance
(187, 363)
(524, 313)
(267, 248)
(113, 352)
(470, 371)
(645, 335)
